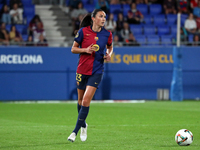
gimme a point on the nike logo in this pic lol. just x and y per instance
(95, 83)
(87, 34)
(80, 119)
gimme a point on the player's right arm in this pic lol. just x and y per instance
(77, 50)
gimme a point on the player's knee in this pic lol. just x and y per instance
(86, 103)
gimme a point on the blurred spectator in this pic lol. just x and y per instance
(29, 41)
(72, 4)
(42, 41)
(114, 2)
(183, 37)
(103, 4)
(5, 15)
(16, 14)
(76, 12)
(169, 6)
(152, 1)
(134, 15)
(77, 24)
(37, 32)
(190, 24)
(131, 41)
(111, 23)
(120, 22)
(193, 3)
(116, 42)
(196, 41)
(196, 10)
(19, 3)
(183, 6)
(15, 36)
(4, 35)
(33, 24)
(125, 31)
(140, 2)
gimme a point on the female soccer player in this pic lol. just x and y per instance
(93, 43)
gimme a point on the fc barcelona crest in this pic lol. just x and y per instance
(96, 38)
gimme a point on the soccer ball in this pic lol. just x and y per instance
(184, 137)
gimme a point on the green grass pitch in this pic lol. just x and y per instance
(112, 126)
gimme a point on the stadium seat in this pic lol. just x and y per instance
(21, 28)
(163, 30)
(166, 40)
(8, 26)
(190, 38)
(143, 8)
(125, 9)
(136, 29)
(149, 30)
(147, 19)
(153, 40)
(155, 9)
(171, 19)
(159, 20)
(141, 39)
(25, 37)
(183, 18)
(115, 8)
(89, 7)
(173, 30)
(27, 3)
(29, 11)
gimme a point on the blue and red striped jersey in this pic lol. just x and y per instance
(92, 63)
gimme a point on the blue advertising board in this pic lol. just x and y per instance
(39, 73)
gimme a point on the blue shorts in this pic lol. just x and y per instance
(91, 80)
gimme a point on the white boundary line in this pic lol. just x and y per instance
(74, 101)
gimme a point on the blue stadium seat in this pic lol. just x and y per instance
(141, 39)
(173, 29)
(136, 29)
(25, 37)
(115, 8)
(153, 40)
(8, 26)
(155, 9)
(148, 19)
(171, 19)
(163, 30)
(125, 9)
(143, 8)
(183, 18)
(149, 29)
(21, 28)
(29, 11)
(159, 20)
(89, 7)
(190, 38)
(166, 40)
(27, 3)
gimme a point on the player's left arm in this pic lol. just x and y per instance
(109, 48)
(108, 52)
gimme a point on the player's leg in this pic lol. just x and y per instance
(88, 95)
(80, 99)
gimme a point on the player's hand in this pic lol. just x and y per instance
(107, 57)
(90, 49)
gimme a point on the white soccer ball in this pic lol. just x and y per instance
(184, 137)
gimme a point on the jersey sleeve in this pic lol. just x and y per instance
(109, 43)
(79, 36)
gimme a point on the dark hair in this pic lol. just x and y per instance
(87, 19)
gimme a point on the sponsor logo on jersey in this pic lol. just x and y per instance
(96, 47)
(76, 35)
